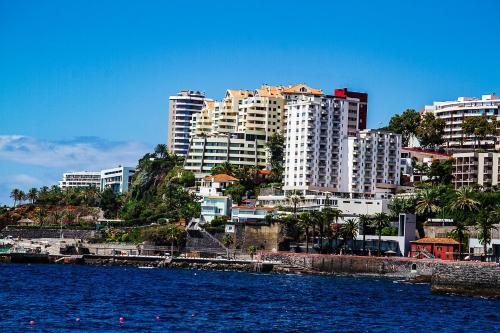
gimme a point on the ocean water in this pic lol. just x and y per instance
(175, 300)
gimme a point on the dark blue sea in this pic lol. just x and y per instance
(172, 300)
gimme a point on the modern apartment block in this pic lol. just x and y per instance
(118, 179)
(317, 131)
(182, 107)
(80, 179)
(236, 148)
(263, 113)
(454, 113)
(358, 108)
(476, 168)
(373, 162)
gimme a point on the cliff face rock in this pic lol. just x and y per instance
(474, 279)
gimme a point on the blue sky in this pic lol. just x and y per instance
(95, 76)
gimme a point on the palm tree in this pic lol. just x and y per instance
(319, 221)
(227, 240)
(486, 223)
(305, 222)
(225, 168)
(427, 203)
(295, 198)
(22, 196)
(161, 150)
(330, 215)
(364, 220)
(460, 230)
(379, 222)
(14, 194)
(464, 200)
(349, 231)
(32, 195)
(40, 214)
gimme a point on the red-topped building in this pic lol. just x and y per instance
(363, 104)
(439, 248)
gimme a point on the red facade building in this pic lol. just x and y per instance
(439, 248)
(363, 104)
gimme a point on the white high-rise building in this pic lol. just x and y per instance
(316, 126)
(182, 107)
(118, 179)
(454, 113)
(373, 162)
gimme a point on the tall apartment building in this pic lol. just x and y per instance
(236, 148)
(80, 179)
(454, 113)
(227, 115)
(358, 110)
(182, 107)
(316, 126)
(476, 168)
(373, 162)
(262, 113)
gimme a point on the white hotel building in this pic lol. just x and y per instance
(118, 179)
(80, 179)
(454, 113)
(326, 152)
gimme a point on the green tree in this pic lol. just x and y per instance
(167, 234)
(228, 241)
(480, 128)
(161, 150)
(295, 198)
(464, 200)
(306, 222)
(40, 214)
(485, 222)
(427, 203)
(252, 250)
(440, 172)
(349, 231)
(275, 146)
(223, 168)
(32, 195)
(330, 215)
(405, 124)
(379, 222)
(109, 203)
(364, 221)
(15, 195)
(430, 131)
(187, 179)
(236, 191)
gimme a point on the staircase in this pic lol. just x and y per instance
(202, 241)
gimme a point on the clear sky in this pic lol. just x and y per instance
(85, 84)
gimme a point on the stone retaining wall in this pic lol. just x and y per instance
(396, 267)
(479, 279)
(50, 233)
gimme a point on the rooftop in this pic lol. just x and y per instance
(222, 177)
(430, 240)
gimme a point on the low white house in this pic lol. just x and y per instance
(242, 214)
(213, 206)
(214, 185)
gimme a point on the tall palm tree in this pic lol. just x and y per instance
(379, 222)
(295, 198)
(33, 195)
(319, 221)
(486, 223)
(364, 221)
(161, 150)
(460, 230)
(40, 214)
(305, 222)
(349, 230)
(330, 215)
(464, 200)
(14, 194)
(427, 203)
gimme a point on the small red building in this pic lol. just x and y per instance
(439, 248)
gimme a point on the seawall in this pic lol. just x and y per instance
(466, 278)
